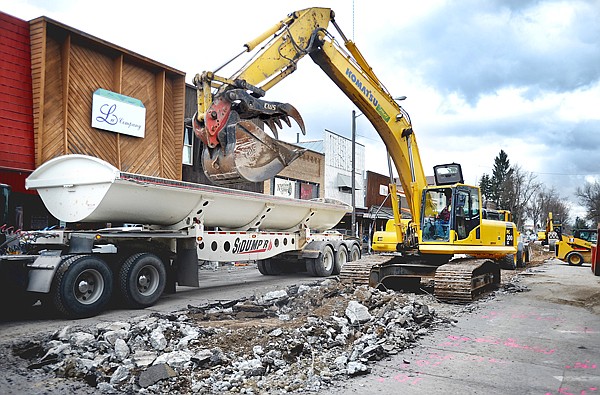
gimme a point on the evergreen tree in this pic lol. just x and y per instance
(485, 185)
(500, 175)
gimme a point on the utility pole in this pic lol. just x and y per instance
(354, 116)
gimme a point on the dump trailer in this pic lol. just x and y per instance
(171, 226)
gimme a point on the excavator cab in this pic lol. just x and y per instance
(450, 214)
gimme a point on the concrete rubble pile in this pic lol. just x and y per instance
(300, 339)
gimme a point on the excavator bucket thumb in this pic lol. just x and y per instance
(248, 155)
(236, 148)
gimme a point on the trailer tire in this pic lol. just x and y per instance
(574, 259)
(341, 257)
(355, 253)
(142, 279)
(82, 286)
(266, 267)
(323, 265)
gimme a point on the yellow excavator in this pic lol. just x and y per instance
(447, 242)
(552, 233)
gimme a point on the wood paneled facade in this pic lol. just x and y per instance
(68, 66)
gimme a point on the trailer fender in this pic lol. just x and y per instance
(42, 271)
(315, 248)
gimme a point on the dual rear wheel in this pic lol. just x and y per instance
(83, 284)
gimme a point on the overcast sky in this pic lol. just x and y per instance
(480, 76)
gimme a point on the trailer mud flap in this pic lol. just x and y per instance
(41, 272)
(187, 266)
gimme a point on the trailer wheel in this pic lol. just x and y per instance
(323, 265)
(575, 259)
(340, 259)
(82, 286)
(267, 267)
(354, 253)
(142, 279)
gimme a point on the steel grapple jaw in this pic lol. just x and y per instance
(236, 147)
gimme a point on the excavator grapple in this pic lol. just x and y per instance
(236, 147)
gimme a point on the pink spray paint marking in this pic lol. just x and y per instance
(582, 365)
(567, 391)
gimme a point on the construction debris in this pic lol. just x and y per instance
(300, 339)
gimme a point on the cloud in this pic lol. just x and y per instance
(474, 49)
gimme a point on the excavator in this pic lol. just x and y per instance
(456, 250)
(552, 233)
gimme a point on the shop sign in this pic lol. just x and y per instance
(118, 113)
(285, 188)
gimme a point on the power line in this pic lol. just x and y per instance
(567, 174)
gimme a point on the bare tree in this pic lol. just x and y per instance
(547, 201)
(517, 191)
(589, 197)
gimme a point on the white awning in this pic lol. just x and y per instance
(344, 181)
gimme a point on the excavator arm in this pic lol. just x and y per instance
(352, 74)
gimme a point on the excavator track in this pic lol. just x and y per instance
(358, 272)
(461, 280)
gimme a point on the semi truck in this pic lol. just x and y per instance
(170, 227)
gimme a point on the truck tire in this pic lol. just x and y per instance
(520, 256)
(509, 262)
(142, 280)
(354, 253)
(574, 259)
(82, 286)
(323, 265)
(267, 267)
(341, 257)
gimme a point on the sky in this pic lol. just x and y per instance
(480, 76)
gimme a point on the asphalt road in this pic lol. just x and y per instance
(227, 283)
(545, 341)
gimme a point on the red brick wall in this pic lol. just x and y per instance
(16, 104)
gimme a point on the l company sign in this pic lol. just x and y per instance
(118, 113)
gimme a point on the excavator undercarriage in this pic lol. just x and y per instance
(457, 281)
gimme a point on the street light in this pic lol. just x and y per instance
(353, 228)
(354, 116)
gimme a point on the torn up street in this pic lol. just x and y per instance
(322, 337)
